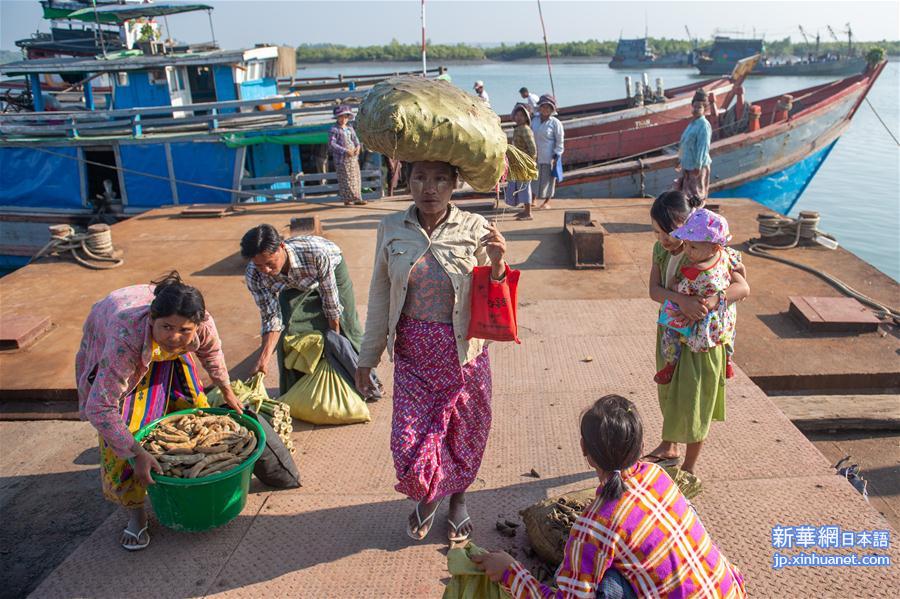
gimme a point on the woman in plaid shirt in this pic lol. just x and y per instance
(640, 536)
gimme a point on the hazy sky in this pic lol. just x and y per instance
(246, 22)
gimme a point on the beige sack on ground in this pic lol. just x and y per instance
(414, 119)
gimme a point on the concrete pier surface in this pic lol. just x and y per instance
(342, 533)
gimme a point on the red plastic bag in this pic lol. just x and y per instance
(494, 306)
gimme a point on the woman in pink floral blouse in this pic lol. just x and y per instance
(134, 366)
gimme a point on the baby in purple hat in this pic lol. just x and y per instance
(706, 272)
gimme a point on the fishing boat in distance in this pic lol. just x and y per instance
(817, 63)
(725, 52)
(636, 54)
(772, 164)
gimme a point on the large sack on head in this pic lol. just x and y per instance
(415, 119)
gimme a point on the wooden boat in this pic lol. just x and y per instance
(772, 165)
(611, 130)
(179, 125)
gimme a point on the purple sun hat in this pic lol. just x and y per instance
(704, 225)
(342, 110)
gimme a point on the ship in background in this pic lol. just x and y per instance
(638, 54)
(725, 52)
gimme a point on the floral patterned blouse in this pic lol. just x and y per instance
(429, 295)
(718, 326)
(116, 351)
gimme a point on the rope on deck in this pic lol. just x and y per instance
(806, 227)
(96, 245)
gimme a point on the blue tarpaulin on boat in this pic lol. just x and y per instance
(780, 190)
(145, 192)
(206, 163)
(31, 178)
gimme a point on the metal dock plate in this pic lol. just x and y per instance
(833, 315)
(306, 225)
(20, 331)
(584, 237)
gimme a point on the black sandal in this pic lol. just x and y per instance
(659, 460)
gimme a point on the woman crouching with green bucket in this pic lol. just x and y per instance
(133, 367)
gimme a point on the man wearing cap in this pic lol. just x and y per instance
(481, 93)
(531, 100)
(549, 137)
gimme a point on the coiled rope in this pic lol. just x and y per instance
(96, 245)
(806, 227)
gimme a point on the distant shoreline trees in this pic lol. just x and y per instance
(397, 52)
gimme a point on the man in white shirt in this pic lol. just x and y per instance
(530, 99)
(548, 137)
(481, 93)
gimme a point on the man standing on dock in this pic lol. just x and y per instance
(531, 99)
(549, 137)
(300, 285)
(482, 93)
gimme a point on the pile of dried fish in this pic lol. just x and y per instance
(547, 523)
(198, 444)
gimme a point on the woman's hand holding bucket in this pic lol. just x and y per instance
(143, 464)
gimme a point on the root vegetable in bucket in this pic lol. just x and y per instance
(194, 445)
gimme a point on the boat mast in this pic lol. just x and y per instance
(547, 50)
(212, 31)
(424, 60)
(99, 31)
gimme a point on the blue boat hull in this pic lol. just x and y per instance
(781, 190)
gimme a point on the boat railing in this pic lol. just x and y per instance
(361, 77)
(317, 187)
(200, 118)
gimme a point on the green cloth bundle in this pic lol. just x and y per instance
(468, 582)
(415, 119)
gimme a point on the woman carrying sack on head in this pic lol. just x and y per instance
(345, 149)
(419, 298)
(134, 366)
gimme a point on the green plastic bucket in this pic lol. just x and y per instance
(196, 504)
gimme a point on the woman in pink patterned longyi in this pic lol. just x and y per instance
(419, 310)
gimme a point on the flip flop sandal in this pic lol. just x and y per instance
(137, 546)
(524, 218)
(652, 458)
(455, 537)
(360, 203)
(429, 521)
